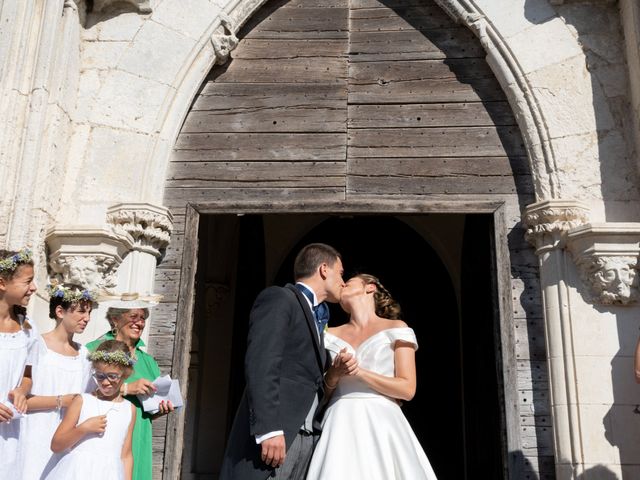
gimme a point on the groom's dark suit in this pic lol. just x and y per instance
(284, 365)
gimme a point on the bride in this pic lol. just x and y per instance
(365, 434)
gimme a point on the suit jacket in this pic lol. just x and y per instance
(284, 365)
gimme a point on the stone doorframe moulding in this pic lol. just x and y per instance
(606, 256)
(90, 256)
(174, 442)
(528, 113)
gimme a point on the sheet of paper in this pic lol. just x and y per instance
(163, 385)
(167, 390)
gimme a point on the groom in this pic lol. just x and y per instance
(272, 434)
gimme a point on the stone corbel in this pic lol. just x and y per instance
(86, 256)
(548, 222)
(224, 42)
(607, 255)
(149, 226)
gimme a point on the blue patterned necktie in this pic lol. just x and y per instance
(320, 311)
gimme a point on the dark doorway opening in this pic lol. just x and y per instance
(456, 412)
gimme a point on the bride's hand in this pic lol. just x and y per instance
(345, 363)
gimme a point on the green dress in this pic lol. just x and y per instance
(145, 367)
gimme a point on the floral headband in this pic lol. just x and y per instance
(118, 357)
(9, 264)
(70, 294)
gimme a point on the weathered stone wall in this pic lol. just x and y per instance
(92, 104)
(39, 70)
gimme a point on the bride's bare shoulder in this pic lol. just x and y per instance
(398, 324)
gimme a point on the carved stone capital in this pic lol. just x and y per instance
(149, 226)
(606, 255)
(224, 41)
(86, 256)
(549, 221)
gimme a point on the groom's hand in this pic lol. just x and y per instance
(274, 451)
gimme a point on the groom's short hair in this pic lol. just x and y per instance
(311, 257)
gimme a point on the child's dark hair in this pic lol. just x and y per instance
(10, 262)
(71, 298)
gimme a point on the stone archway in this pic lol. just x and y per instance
(242, 144)
(195, 39)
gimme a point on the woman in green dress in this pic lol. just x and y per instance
(127, 318)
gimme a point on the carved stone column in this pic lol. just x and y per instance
(548, 224)
(150, 228)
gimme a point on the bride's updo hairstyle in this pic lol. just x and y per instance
(386, 306)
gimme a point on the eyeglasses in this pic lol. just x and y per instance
(135, 319)
(101, 377)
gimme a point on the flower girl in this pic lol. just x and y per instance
(97, 427)
(17, 340)
(61, 372)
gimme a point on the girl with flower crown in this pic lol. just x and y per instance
(97, 427)
(61, 372)
(17, 340)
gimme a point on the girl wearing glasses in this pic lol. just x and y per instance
(60, 372)
(127, 315)
(97, 428)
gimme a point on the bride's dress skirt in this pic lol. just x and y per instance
(365, 435)
(368, 438)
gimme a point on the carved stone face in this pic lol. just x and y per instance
(614, 280)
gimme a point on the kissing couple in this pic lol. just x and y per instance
(324, 403)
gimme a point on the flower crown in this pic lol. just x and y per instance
(70, 294)
(9, 264)
(118, 357)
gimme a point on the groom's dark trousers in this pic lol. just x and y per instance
(284, 367)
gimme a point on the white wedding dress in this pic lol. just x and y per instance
(365, 435)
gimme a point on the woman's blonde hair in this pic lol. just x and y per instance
(386, 306)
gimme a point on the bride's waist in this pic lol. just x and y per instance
(356, 390)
